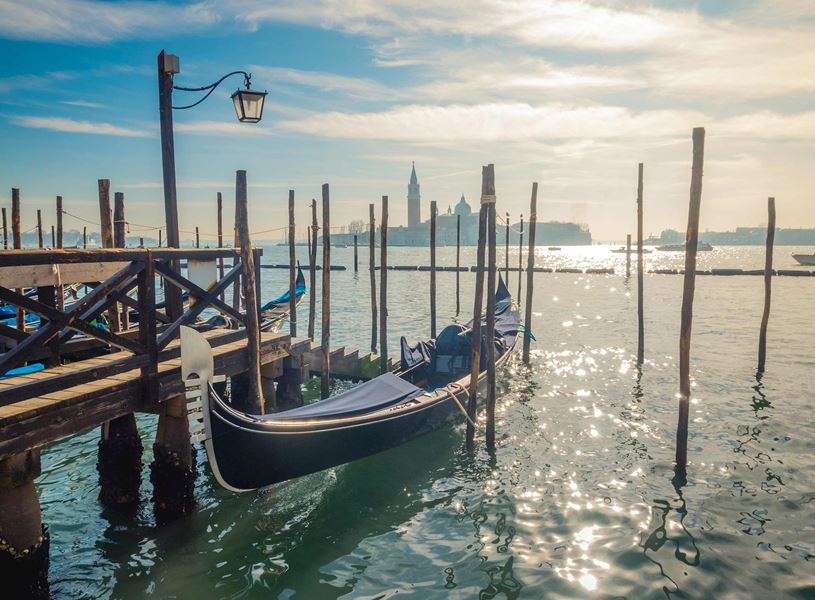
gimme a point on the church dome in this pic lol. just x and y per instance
(462, 208)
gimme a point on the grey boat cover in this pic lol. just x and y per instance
(381, 392)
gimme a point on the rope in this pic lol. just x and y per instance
(450, 388)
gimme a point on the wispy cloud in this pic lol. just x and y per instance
(74, 126)
(221, 128)
(83, 104)
(354, 87)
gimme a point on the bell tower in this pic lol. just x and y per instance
(414, 199)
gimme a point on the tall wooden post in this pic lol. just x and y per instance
(220, 218)
(383, 286)
(5, 230)
(325, 346)
(106, 232)
(520, 258)
(39, 227)
(159, 240)
(506, 251)
(530, 270)
(478, 303)
(85, 237)
(433, 213)
(628, 256)
(53, 237)
(312, 271)
(356, 260)
(372, 269)
(197, 238)
(119, 462)
(292, 270)
(490, 310)
(458, 264)
(691, 242)
(18, 243)
(640, 274)
(768, 284)
(59, 222)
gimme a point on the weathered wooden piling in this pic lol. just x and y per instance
(478, 303)
(458, 264)
(691, 242)
(197, 238)
(383, 286)
(312, 271)
(18, 243)
(5, 230)
(506, 250)
(106, 233)
(325, 375)
(59, 222)
(372, 269)
(53, 237)
(356, 250)
(84, 237)
(24, 538)
(492, 268)
(433, 213)
(39, 228)
(119, 241)
(220, 218)
(530, 271)
(628, 256)
(640, 272)
(159, 238)
(768, 284)
(292, 270)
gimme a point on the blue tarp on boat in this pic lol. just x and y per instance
(299, 290)
(382, 392)
(33, 368)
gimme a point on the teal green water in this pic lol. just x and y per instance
(577, 502)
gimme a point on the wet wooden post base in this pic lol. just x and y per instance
(520, 259)
(433, 212)
(530, 271)
(312, 270)
(383, 287)
(768, 284)
(492, 274)
(292, 270)
(119, 462)
(640, 272)
(372, 269)
(691, 242)
(24, 539)
(628, 256)
(458, 264)
(478, 298)
(325, 346)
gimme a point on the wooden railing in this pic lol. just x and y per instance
(112, 275)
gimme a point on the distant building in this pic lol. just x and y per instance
(742, 236)
(414, 200)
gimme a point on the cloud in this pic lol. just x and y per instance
(83, 104)
(73, 126)
(221, 127)
(354, 87)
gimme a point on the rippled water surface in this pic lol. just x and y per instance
(579, 500)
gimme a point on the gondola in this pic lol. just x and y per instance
(426, 392)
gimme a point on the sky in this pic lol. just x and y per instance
(569, 93)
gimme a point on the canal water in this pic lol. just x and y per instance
(579, 501)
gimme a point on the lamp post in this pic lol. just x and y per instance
(248, 108)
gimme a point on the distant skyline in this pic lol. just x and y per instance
(569, 93)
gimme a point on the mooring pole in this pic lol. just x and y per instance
(691, 242)
(506, 251)
(768, 284)
(18, 243)
(312, 271)
(640, 274)
(520, 258)
(458, 264)
(372, 269)
(197, 238)
(59, 222)
(628, 256)
(85, 237)
(236, 287)
(159, 242)
(5, 230)
(356, 260)
(119, 462)
(106, 232)
(220, 211)
(53, 237)
(478, 303)
(383, 286)
(39, 227)
(325, 346)
(492, 272)
(433, 212)
(530, 270)
(292, 270)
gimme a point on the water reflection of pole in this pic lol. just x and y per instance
(691, 242)
(768, 284)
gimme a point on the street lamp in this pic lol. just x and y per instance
(248, 108)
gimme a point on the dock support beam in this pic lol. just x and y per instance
(24, 540)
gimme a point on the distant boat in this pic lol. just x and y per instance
(700, 247)
(554, 248)
(623, 250)
(808, 260)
